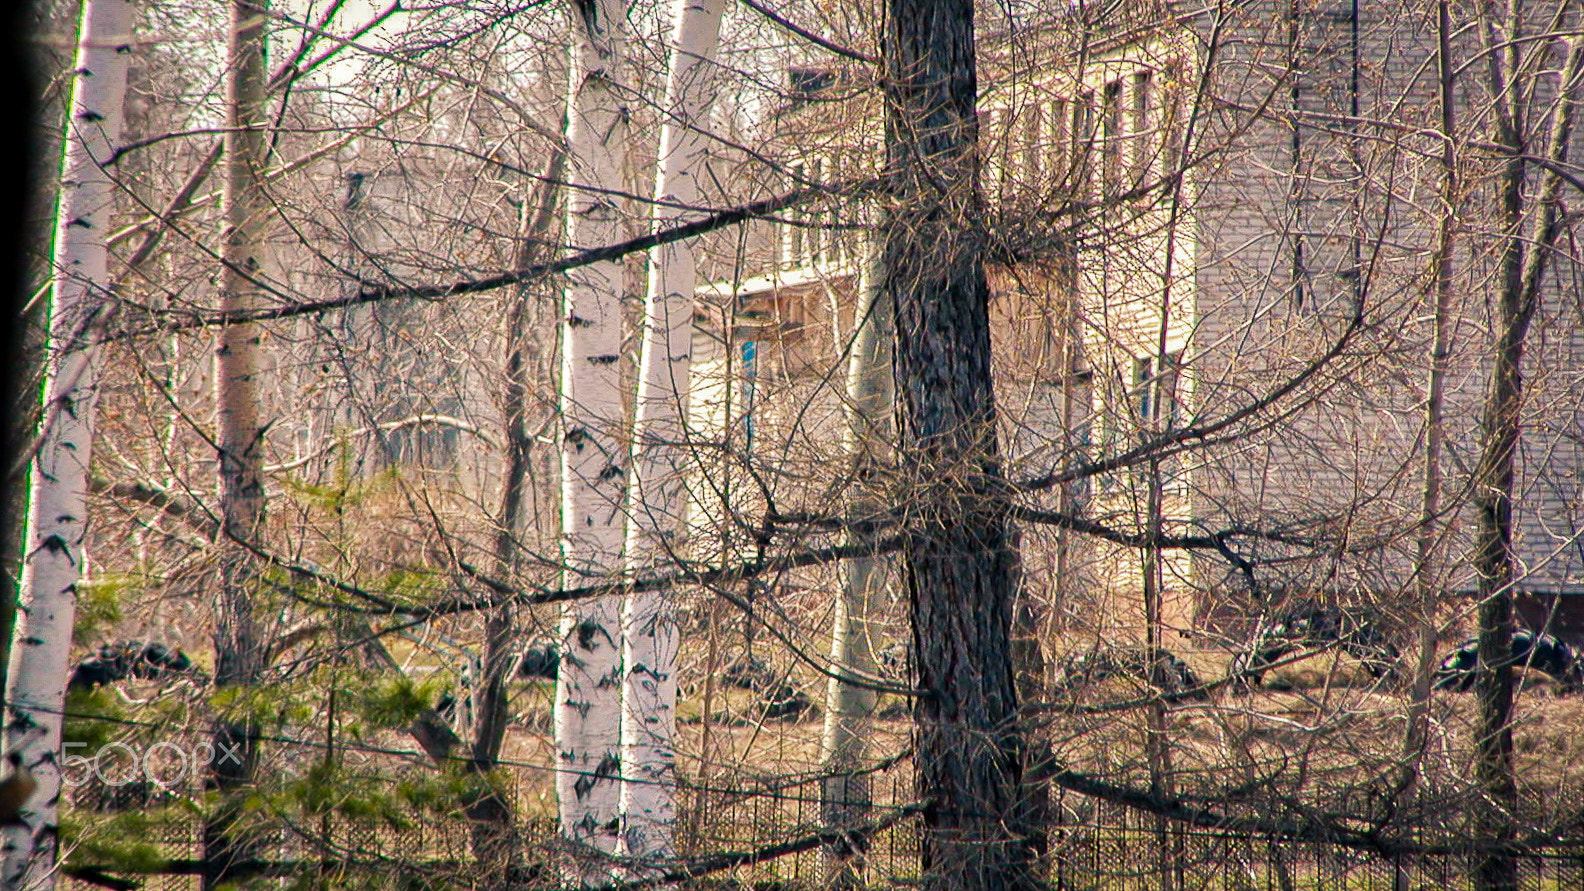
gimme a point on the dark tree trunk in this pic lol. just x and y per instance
(959, 566)
(1531, 225)
(496, 843)
(1493, 483)
(1523, 265)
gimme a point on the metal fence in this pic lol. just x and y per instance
(1112, 849)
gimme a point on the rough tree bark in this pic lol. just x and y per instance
(958, 566)
(58, 491)
(659, 488)
(594, 478)
(239, 435)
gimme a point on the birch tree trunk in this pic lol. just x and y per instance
(654, 532)
(958, 565)
(239, 434)
(845, 794)
(593, 475)
(58, 490)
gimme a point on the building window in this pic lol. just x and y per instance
(841, 236)
(815, 237)
(1143, 145)
(809, 84)
(816, 233)
(1031, 136)
(793, 251)
(993, 137)
(835, 236)
(1168, 397)
(1171, 113)
(1154, 395)
(1143, 401)
(1111, 137)
(1060, 138)
(1083, 144)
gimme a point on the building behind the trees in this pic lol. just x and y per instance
(1185, 215)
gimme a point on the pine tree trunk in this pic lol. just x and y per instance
(239, 433)
(594, 476)
(845, 794)
(659, 491)
(958, 566)
(58, 492)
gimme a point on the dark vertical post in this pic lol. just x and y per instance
(958, 568)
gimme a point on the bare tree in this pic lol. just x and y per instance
(1173, 293)
(594, 463)
(238, 636)
(651, 640)
(1529, 224)
(958, 566)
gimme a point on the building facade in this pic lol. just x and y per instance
(1212, 238)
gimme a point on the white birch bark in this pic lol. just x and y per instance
(845, 793)
(594, 479)
(58, 495)
(659, 490)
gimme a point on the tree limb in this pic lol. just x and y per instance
(373, 292)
